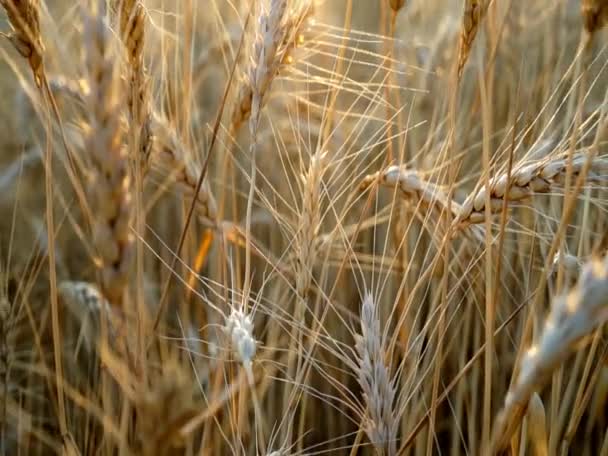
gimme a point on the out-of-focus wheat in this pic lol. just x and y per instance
(595, 14)
(24, 17)
(109, 186)
(573, 317)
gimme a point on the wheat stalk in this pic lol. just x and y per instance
(109, 186)
(573, 317)
(24, 18)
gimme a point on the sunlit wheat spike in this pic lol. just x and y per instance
(109, 186)
(573, 317)
(309, 222)
(375, 380)
(275, 37)
(526, 180)
(595, 14)
(24, 18)
(474, 12)
(413, 188)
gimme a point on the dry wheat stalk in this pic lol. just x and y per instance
(573, 317)
(595, 14)
(24, 17)
(374, 377)
(109, 186)
(132, 21)
(172, 158)
(526, 180)
(474, 12)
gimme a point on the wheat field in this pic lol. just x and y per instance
(303, 227)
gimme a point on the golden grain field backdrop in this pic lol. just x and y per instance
(303, 227)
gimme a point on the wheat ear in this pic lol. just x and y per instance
(109, 185)
(474, 12)
(24, 18)
(424, 196)
(172, 158)
(396, 5)
(132, 21)
(276, 37)
(526, 180)
(595, 14)
(573, 317)
(309, 223)
(375, 380)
